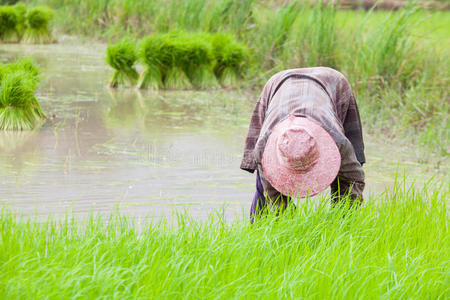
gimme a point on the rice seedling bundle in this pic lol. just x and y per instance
(178, 60)
(193, 60)
(24, 64)
(21, 12)
(38, 20)
(176, 49)
(122, 57)
(19, 108)
(152, 54)
(165, 58)
(8, 23)
(230, 56)
(18, 23)
(197, 60)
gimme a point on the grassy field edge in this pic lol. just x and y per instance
(396, 246)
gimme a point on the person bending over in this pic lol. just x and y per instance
(305, 135)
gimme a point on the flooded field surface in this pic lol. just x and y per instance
(144, 153)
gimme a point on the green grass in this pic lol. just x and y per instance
(396, 246)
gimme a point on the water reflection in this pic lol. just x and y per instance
(20, 152)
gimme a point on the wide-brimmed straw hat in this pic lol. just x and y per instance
(300, 157)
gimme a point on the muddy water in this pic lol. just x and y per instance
(144, 153)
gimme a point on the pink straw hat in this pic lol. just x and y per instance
(300, 158)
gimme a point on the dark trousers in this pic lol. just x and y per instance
(259, 200)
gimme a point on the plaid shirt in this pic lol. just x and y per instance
(322, 94)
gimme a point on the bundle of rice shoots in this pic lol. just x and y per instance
(174, 52)
(155, 59)
(122, 57)
(197, 60)
(26, 65)
(231, 58)
(8, 24)
(38, 31)
(19, 108)
(21, 13)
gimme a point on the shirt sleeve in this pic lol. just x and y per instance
(349, 114)
(248, 161)
(353, 129)
(351, 177)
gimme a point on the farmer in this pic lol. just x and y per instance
(305, 135)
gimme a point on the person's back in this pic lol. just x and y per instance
(321, 95)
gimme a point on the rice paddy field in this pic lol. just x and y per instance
(395, 249)
(131, 186)
(397, 61)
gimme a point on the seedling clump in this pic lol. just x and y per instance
(37, 21)
(180, 60)
(198, 60)
(230, 56)
(19, 108)
(8, 23)
(21, 13)
(18, 23)
(155, 59)
(176, 51)
(122, 57)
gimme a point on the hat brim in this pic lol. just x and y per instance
(299, 185)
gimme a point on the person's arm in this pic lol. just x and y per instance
(248, 162)
(350, 118)
(353, 129)
(350, 179)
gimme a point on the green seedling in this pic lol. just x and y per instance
(38, 31)
(153, 56)
(19, 108)
(230, 56)
(122, 57)
(21, 13)
(8, 24)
